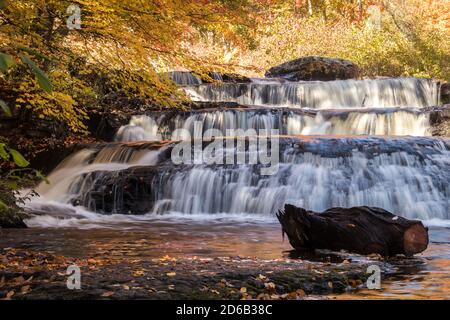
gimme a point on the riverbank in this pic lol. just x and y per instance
(158, 259)
(40, 275)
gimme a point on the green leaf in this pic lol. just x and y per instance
(18, 158)
(3, 153)
(5, 108)
(6, 61)
(12, 185)
(41, 77)
(3, 206)
(42, 177)
(2, 4)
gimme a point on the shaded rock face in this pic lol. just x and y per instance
(126, 192)
(11, 221)
(229, 77)
(440, 121)
(445, 93)
(315, 69)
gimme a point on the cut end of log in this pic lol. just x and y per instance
(415, 239)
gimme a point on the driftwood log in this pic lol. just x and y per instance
(362, 230)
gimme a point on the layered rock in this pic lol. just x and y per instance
(440, 121)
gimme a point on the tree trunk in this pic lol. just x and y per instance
(362, 230)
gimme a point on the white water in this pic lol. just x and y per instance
(380, 93)
(412, 182)
(57, 186)
(408, 176)
(183, 78)
(392, 123)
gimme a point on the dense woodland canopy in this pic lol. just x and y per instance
(122, 49)
(128, 43)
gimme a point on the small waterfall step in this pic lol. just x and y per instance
(408, 176)
(197, 123)
(378, 93)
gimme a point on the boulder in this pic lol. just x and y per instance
(315, 69)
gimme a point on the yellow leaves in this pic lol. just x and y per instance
(138, 273)
(167, 258)
(262, 277)
(270, 286)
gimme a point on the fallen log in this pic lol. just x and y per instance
(362, 230)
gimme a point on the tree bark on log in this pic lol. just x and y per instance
(362, 230)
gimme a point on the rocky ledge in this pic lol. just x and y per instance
(26, 274)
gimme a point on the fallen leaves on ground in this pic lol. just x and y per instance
(107, 294)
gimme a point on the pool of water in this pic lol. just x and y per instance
(426, 276)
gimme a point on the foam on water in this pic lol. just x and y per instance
(379, 93)
(390, 122)
(407, 176)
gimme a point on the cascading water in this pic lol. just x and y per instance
(184, 78)
(385, 122)
(408, 176)
(380, 93)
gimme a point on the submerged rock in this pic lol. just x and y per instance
(315, 69)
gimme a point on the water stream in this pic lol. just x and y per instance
(341, 143)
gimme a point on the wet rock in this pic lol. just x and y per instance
(440, 121)
(228, 77)
(104, 125)
(445, 93)
(315, 69)
(11, 218)
(126, 192)
(125, 278)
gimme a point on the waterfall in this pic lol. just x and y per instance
(372, 122)
(341, 143)
(184, 78)
(140, 128)
(408, 176)
(380, 93)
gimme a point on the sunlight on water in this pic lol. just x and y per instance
(380, 93)
(392, 122)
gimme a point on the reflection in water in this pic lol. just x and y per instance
(424, 276)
